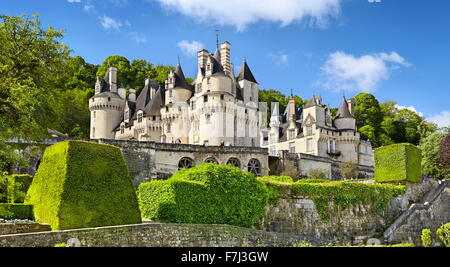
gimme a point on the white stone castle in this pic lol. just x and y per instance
(220, 109)
(217, 109)
(312, 130)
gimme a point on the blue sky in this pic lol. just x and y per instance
(396, 49)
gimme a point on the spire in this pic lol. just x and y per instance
(217, 40)
(180, 80)
(245, 73)
(344, 111)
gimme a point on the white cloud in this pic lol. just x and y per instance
(110, 23)
(279, 58)
(411, 108)
(190, 47)
(74, 1)
(442, 119)
(138, 37)
(240, 13)
(345, 72)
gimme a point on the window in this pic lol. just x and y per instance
(273, 151)
(93, 132)
(122, 129)
(205, 98)
(222, 97)
(170, 93)
(291, 134)
(234, 162)
(154, 118)
(208, 119)
(211, 160)
(254, 166)
(309, 145)
(292, 147)
(168, 128)
(309, 131)
(331, 146)
(95, 114)
(199, 87)
(140, 117)
(185, 163)
(273, 138)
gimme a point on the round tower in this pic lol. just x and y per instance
(106, 107)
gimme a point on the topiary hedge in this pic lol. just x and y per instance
(80, 184)
(18, 186)
(16, 211)
(207, 194)
(282, 179)
(398, 163)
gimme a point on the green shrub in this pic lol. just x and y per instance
(398, 163)
(349, 170)
(443, 233)
(294, 174)
(207, 194)
(427, 240)
(18, 186)
(314, 181)
(281, 179)
(16, 211)
(62, 245)
(3, 187)
(317, 174)
(80, 184)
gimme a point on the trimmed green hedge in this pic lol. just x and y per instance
(281, 179)
(16, 211)
(18, 186)
(81, 184)
(398, 163)
(342, 194)
(207, 194)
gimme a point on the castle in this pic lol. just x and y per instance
(221, 109)
(312, 130)
(216, 109)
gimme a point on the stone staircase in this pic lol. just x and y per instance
(414, 208)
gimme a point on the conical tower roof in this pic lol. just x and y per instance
(180, 80)
(246, 74)
(344, 111)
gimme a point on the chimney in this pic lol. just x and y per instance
(98, 86)
(226, 57)
(351, 106)
(113, 79)
(132, 95)
(122, 92)
(292, 115)
(202, 58)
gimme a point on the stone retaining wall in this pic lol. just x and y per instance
(19, 228)
(154, 235)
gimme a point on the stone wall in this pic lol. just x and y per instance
(303, 163)
(154, 235)
(357, 223)
(19, 228)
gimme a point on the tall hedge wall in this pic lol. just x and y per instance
(16, 211)
(398, 163)
(81, 184)
(207, 194)
(18, 186)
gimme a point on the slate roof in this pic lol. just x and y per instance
(343, 111)
(246, 74)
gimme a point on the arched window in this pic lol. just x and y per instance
(254, 166)
(185, 163)
(234, 162)
(211, 160)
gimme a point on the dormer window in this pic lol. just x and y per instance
(291, 134)
(140, 116)
(122, 129)
(208, 67)
(309, 131)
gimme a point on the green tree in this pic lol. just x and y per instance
(30, 59)
(368, 114)
(430, 147)
(444, 154)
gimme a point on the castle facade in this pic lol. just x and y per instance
(218, 108)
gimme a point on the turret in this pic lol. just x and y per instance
(248, 84)
(344, 118)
